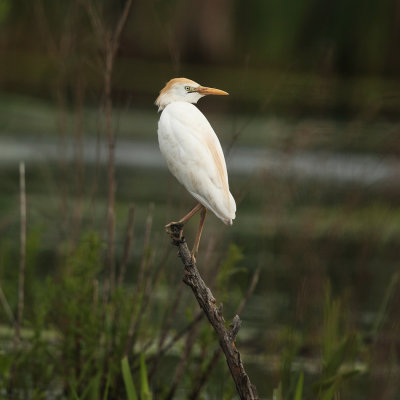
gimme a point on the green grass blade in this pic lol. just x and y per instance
(385, 303)
(92, 389)
(76, 397)
(145, 393)
(299, 388)
(128, 381)
(105, 396)
(330, 393)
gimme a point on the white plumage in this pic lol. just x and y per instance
(192, 150)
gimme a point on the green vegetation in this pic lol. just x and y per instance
(295, 331)
(323, 320)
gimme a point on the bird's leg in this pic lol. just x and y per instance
(199, 231)
(190, 214)
(183, 220)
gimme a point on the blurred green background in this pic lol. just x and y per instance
(311, 136)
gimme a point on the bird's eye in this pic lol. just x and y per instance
(187, 88)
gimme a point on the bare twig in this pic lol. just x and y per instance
(165, 326)
(146, 246)
(120, 25)
(141, 295)
(111, 47)
(110, 43)
(198, 317)
(79, 158)
(274, 90)
(207, 302)
(7, 307)
(202, 377)
(190, 340)
(128, 245)
(250, 290)
(21, 276)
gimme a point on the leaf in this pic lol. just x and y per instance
(76, 397)
(277, 394)
(145, 393)
(299, 388)
(328, 395)
(92, 389)
(128, 381)
(105, 396)
(383, 307)
(338, 356)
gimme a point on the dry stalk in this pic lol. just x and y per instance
(79, 157)
(21, 275)
(152, 359)
(203, 375)
(128, 245)
(110, 43)
(165, 327)
(140, 298)
(207, 302)
(7, 308)
(180, 369)
(201, 379)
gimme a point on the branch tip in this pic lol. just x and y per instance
(235, 326)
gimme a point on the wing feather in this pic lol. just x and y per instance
(194, 156)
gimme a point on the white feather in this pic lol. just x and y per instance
(194, 156)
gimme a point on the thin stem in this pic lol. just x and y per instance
(21, 276)
(7, 308)
(110, 43)
(128, 245)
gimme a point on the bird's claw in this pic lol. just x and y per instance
(174, 228)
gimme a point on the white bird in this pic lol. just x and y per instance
(193, 152)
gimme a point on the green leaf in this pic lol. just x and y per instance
(145, 393)
(128, 381)
(105, 397)
(338, 356)
(76, 397)
(328, 395)
(383, 307)
(299, 388)
(92, 389)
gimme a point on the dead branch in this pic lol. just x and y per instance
(202, 377)
(207, 302)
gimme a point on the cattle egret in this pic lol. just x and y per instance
(193, 152)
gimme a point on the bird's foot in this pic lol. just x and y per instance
(175, 229)
(193, 258)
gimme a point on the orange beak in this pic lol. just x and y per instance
(206, 90)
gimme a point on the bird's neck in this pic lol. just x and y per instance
(167, 98)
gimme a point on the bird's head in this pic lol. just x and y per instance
(182, 89)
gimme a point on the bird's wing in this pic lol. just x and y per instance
(194, 155)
